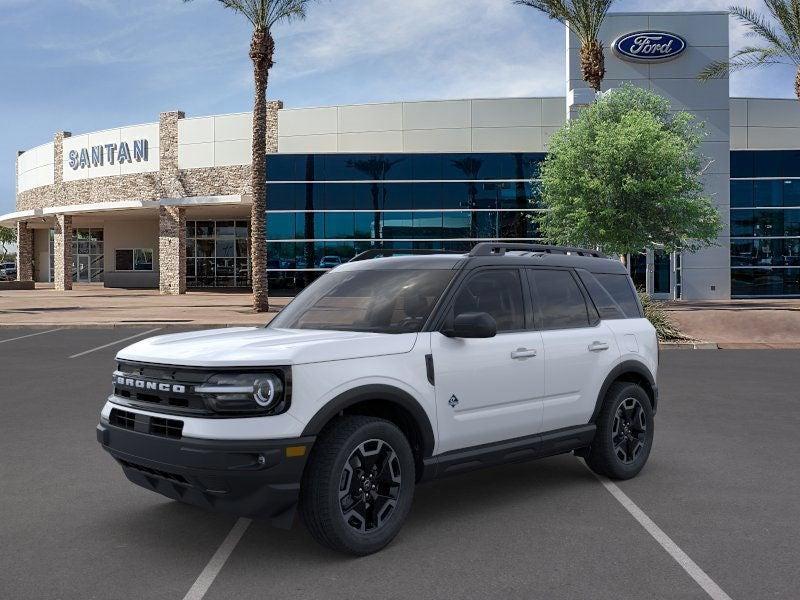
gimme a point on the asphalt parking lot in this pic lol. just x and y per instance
(722, 483)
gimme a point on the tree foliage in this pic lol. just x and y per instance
(8, 236)
(625, 176)
(777, 35)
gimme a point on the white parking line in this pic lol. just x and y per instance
(22, 337)
(687, 564)
(214, 566)
(115, 343)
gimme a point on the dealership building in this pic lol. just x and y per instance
(167, 204)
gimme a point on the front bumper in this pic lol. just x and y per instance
(248, 478)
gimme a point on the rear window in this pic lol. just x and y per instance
(612, 294)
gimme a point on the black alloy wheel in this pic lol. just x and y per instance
(629, 432)
(370, 485)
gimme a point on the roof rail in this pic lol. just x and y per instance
(383, 252)
(500, 248)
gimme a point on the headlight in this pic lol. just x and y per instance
(256, 393)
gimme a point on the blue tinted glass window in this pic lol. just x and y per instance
(396, 196)
(425, 195)
(527, 166)
(398, 225)
(742, 222)
(426, 166)
(339, 196)
(486, 224)
(367, 225)
(455, 195)
(311, 196)
(464, 166)
(741, 194)
(742, 164)
(768, 163)
(281, 167)
(791, 222)
(280, 226)
(513, 224)
(427, 224)
(790, 165)
(309, 225)
(367, 196)
(768, 193)
(343, 251)
(339, 225)
(456, 224)
(515, 195)
(282, 196)
(791, 192)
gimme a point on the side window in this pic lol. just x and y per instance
(619, 287)
(558, 299)
(497, 292)
(607, 307)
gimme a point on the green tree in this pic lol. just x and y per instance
(584, 19)
(263, 15)
(8, 236)
(778, 37)
(626, 175)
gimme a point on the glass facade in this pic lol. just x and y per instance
(217, 254)
(765, 223)
(326, 208)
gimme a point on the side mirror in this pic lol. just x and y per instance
(473, 325)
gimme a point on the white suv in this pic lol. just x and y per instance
(386, 372)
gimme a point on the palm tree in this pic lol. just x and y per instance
(780, 41)
(262, 15)
(584, 19)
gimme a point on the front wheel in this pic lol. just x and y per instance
(624, 437)
(358, 486)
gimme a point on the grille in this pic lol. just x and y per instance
(186, 402)
(122, 418)
(169, 428)
(157, 472)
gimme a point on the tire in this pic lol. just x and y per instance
(352, 521)
(625, 428)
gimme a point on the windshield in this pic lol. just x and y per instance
(390, 301)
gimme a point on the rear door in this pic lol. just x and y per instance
(579, 349)
(491, 389)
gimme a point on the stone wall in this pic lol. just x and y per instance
(172, 250)
(62, 251)
(24, 252)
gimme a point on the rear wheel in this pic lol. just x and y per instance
(358, 486)
(624, 437)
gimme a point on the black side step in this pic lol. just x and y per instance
(509, 451)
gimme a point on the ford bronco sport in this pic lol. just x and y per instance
(387, 371)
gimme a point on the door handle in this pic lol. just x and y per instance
(597, 346)
(523, 353)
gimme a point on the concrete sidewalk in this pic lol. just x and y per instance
(740, 323)
(93, 305)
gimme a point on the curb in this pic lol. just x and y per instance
(689, 345)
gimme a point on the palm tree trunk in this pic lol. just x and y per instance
(261, 52)
(593, 64)
(797, 84)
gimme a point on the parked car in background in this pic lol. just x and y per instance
(328, 262)
(8, 271)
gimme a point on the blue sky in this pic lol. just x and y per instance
(84, 65)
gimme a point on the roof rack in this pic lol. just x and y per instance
(383, 252)
(500, 248)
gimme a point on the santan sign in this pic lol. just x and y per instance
(649, 46)
(97, 156)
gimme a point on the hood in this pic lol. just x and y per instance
(259, 346)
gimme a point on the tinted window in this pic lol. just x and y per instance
(607, 307)
(497, 292)
(380, 301)
(619, 288)
(559, 300)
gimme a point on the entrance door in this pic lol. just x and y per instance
(83, 268)
(662, 270)
(490, 389)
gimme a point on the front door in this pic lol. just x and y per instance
(83, 268)
(491, 389)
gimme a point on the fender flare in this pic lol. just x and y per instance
(373, 392)
(624, 368)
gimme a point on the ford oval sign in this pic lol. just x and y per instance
(649, 46)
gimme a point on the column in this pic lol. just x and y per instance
(24, 252)
(62, 250)
(171, 250)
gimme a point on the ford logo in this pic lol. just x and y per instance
(649, 46)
